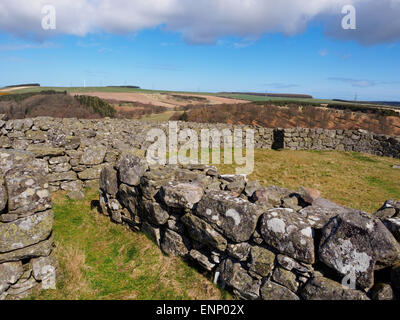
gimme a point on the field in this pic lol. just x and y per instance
(100, 260)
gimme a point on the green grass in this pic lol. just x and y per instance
(353, 179)
(102, 260)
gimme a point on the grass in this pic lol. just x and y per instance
(101, 260)
(357, 180)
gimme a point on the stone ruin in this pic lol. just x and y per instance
(75, 151)
(263, 243)
(27, 258)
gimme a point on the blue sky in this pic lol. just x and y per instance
(307, 61)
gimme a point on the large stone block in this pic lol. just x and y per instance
(27, 191)
(202, 232)
(180, 195)
(355, 245)
(131, 169)
(26, 231)
(320, 288)
(289, 233)
(235, 218)
(109, 180)
(93, 155)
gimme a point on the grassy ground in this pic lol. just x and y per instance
(352, 179)
(101, 260)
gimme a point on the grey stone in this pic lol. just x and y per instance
(131, 169)
(10, 273)
(237, 278)
(62, 176)
(239, 251)
(44, 269)
(92, 173)
(270, 197)
(290, 264)
(109, 181)
(275, 292)
(26, 231)
(382, 291)
(321, 211)
(155, 213)
(233, 217)
(288, 233)
(153, 232)
(181, 195)
(285, 278)
(76, 195)
(202, 232)
(27, 191)
(41, 249)
(93, 155)
(393, 224)
(390, 209)
(174, 244)
(72, 185)
(202, 259)
(251, 187)
(320, 288)
(261, 261)
(356, 244)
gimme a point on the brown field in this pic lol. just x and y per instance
(161, 99)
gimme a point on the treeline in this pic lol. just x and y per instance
(18, 97)
(97, 105)
(54, 104)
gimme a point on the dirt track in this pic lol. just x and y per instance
(158, 99)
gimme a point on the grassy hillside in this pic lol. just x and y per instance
(101, 260)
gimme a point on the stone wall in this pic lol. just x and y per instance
(74, 151)
(27, 258)
(263, 243)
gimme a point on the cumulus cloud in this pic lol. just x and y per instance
(203, 21)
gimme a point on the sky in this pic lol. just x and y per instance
(286, 46)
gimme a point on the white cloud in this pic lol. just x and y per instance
(355, 82)
(204, 21)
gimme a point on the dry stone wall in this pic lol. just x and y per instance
(75, 151)
(27, 257)
(263, 243)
